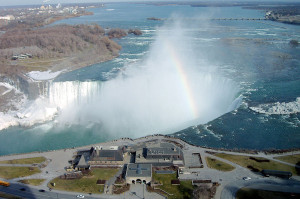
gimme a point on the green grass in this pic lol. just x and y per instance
(293, 159)
(86, 184)
(246, 193)
(8, 196)
(184, 190)
(17, 172)
(245, 161)
(35, 160)
(218, 165)
(34, 182)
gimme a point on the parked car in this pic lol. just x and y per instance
(41, 190)
(246, 178)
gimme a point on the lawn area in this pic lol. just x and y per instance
(246, 193)
(184, 190)
(218, 165)
(246, 161)
(293, 159)
(35, 160)
(16, 172)
(34, 182)
(86, 184)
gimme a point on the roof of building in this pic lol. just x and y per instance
(107, 155)
(106, 147)
(82, 162)
(163, 151)
(139, 170)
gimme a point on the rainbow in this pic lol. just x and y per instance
(183, 78)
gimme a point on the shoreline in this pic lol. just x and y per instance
(155, 136)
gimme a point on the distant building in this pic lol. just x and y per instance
(138, 173)
(7, 17)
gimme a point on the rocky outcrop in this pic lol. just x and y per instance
(116, 33)
(135, 31)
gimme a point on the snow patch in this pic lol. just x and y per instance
(43, 75)
(278, 108)
(7, 86)
(37, 111)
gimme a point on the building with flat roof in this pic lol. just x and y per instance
(160, 154)
(138, 173)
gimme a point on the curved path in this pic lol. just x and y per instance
(270, 184)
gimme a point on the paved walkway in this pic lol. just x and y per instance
(139, 191)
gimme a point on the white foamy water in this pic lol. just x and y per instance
(73, 93)
(278, 108)
(30, 113)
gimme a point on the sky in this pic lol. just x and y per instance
(32, 2)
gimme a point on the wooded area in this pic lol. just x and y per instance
(55, 41)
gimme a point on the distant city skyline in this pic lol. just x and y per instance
(39, 2)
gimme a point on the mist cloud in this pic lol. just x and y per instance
(169, 90)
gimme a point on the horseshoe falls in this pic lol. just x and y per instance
(224, 84)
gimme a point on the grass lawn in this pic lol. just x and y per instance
(184, 190)
(86, 184)
(34, 160)
(246, 193)
(8, 196)
(34, 182)
(245, 161)
(16, 172)
(218, 165)
(293, 159)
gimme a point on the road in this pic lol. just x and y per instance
(271, 184)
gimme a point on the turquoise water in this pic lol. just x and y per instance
(256, 55)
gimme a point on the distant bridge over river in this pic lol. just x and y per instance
(238, 19)
(215, 19)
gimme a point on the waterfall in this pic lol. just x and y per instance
(63, 94)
